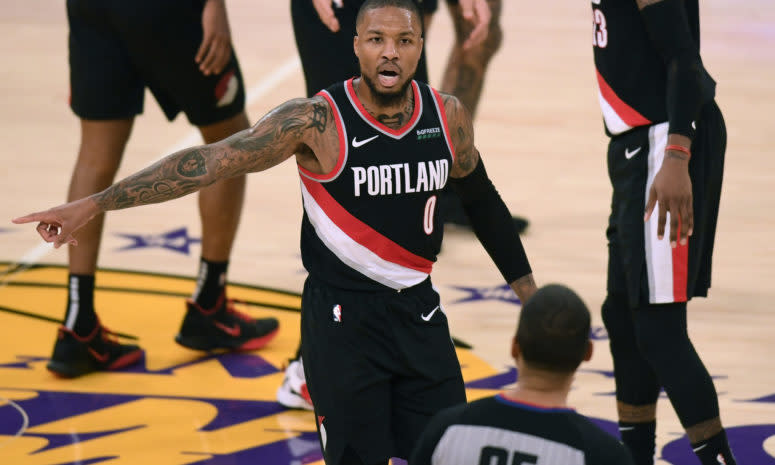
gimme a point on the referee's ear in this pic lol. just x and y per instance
(515, 348)
(590, 350)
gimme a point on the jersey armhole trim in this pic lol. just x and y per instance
(343, 147)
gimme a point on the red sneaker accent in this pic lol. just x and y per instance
(258, 342)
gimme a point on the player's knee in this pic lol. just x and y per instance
(614, 313)
(661, 333)
(494, 39)
(485, 50)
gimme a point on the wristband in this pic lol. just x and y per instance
(679, 148)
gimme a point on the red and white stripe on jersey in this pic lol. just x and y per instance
(341, 131)
(357, 244)
(371, 121)
(619, 117)
(443, 118)
(667, 267)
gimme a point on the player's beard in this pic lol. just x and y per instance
(387, 99)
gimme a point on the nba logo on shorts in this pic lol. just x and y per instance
(338, 313)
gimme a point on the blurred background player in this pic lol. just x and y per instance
(531, 422)
(324, 32)
(666, 153)
(181, 51)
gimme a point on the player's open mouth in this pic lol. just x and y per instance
(388, 78)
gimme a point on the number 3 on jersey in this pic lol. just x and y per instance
(599, 30)
(427, 221)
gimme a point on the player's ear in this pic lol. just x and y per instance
(355, 46)
(515, 351)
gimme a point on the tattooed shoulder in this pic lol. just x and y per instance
(462, 134)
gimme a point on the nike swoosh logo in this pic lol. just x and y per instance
(628, 154)
(357, 143)
(102, 358)
(430, 315)
(626, 428)
(233, 331)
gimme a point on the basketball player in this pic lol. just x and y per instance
(666, 155)
(324, 30)
(115, 53)
(324, 33)
(530, 423)
(373, 154)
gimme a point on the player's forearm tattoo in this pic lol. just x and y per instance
(275, 138)
(192, 165)
(172, 177)
(636, 413)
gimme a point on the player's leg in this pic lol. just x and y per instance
(464, 78)
(466, 69)
(344, 334)
(106, 93)
(428, 377)
(220, 207)
(216, 105)
(637, 387)
(661, 325)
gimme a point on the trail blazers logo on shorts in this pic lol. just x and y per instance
(226, 90)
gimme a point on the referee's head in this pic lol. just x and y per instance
(553, 331)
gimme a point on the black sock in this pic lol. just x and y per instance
(79, 315)
(640, 439)
(715, 450)
(210, 283)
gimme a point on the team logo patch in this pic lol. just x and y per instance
(226, 90)
(338, 313)
(428, 133)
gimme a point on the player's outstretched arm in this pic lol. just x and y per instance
(490, 217)
(289, 128)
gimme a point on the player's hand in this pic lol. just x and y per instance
(478, 14)
(58, 224)
(672, 188)
(215, 50)
(326, 13)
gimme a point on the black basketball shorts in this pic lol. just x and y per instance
(378, 366)
(118, 47)
(645, 269)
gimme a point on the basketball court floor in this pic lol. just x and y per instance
(540, 130)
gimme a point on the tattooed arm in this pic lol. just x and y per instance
(461, 131)
(489, 216)
(296, 127)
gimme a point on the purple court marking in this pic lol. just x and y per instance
(502, 293)
(176, 240)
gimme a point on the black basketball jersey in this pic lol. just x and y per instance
(373, 221)
(499, 431)
(631, 74)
